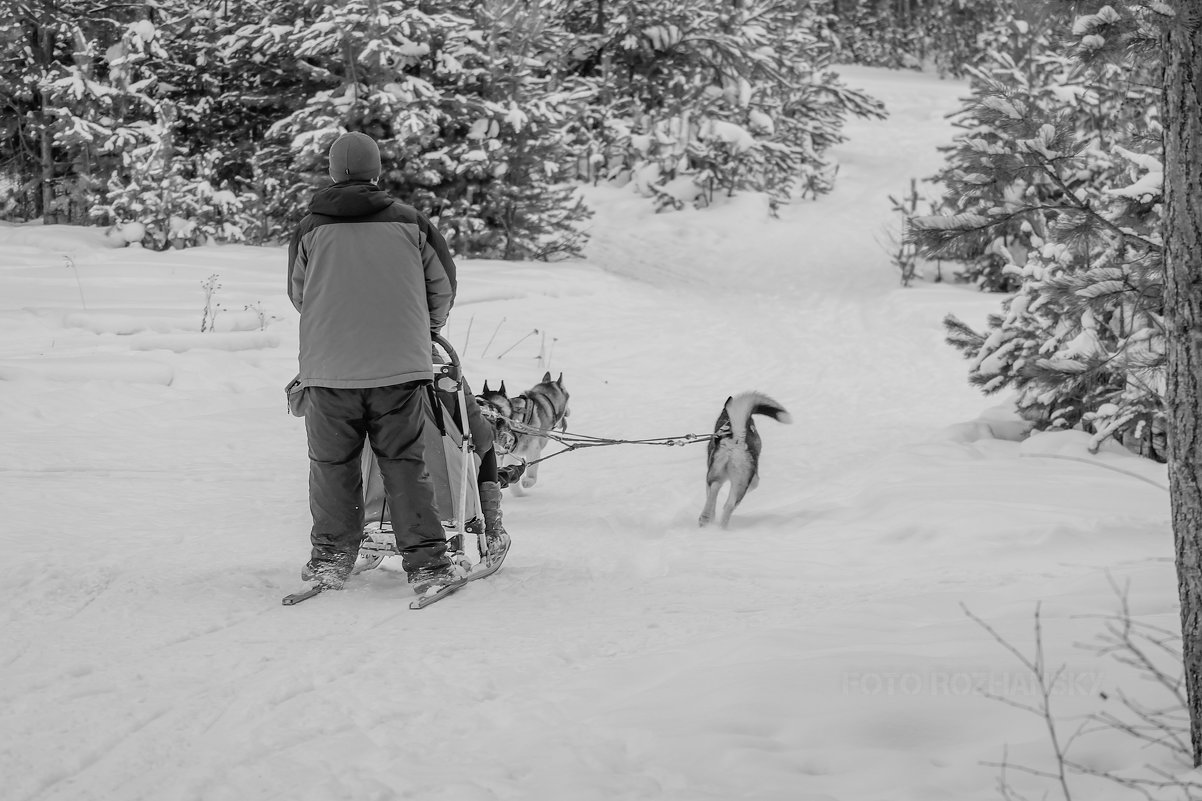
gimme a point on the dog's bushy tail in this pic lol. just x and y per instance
(740, 408)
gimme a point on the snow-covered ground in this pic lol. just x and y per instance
(154, 512)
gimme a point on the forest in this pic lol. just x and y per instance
(183, 123)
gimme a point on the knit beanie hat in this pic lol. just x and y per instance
(354, 157)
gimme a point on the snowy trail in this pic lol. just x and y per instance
(832, 246)
(156, 512)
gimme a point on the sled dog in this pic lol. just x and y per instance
(543, 406)
(495, 405)
(734, 452)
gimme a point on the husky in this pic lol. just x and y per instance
(543, 407)
(495, 405)
(734, 452)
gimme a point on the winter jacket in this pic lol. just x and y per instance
(372, 279)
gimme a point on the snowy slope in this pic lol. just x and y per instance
(156, 510)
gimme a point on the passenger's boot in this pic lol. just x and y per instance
(496, 539)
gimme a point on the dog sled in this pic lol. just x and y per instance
(453, 464)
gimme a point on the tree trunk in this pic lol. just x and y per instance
(1182, 100)
(606, 57)
(47, 157)
(46, 43)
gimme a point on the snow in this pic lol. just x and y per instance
(1088, 22)
(1149, 185)
(761, 122)
(1002, 105)
(154, 490)
(734, 135)
(142, 29)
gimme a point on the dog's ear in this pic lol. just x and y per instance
(547, 377)
(729, 398)
(558, 380)
(485, 390)
(502, 390)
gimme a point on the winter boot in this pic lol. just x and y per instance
(496, 539)
(425, 578)
(331, 572)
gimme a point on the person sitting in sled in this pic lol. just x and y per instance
(372, 279)
(490, 478)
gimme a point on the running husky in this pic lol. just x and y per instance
(734, 452)
(543, 407)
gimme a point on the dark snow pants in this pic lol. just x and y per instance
(337, 422)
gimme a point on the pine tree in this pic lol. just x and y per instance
(226, 101)
(710, 100)
(63, 88)
(1044, 195)
(466, 109)
(513, 181)
(1027, 71)
(1182, 81)
(164, 184)
(97, 99)
(1143, 263)
(946, 35)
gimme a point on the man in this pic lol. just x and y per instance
(372, 279)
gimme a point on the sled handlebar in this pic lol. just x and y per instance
(448, 376)
(444, 345)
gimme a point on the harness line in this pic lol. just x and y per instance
(573, 442)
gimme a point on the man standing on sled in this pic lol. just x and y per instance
(372, 279)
